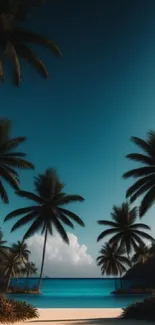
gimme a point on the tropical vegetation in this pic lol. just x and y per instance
(123, 229)
(112, 260)
(10, 160)
(15, 311)
(47, 211)
(145, 175)
(15, 38)
(143, 310)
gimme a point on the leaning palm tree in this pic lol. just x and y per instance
(20, 251)
(113, 260)
(145, 175)
(123, 228)
(15, 40)
(10, 159)
(141, 254)
(47, 212)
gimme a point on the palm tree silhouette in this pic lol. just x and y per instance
(10, 160)
(15, 39)
(145, 175)
(47, 212)
(123, 228)
(112, 260)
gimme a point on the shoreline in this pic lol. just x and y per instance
(82, 316)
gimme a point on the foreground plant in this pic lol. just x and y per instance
(144, 310)
(15, 311)
(47, 212)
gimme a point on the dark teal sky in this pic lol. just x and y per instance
(100, 93)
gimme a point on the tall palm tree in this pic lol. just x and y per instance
(14, 40)
(10, 160)
(141, 254)
(123, 228)
(113, 260)
(145, 175)
(20, 251)
(47, 212)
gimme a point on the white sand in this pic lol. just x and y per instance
(59, 316)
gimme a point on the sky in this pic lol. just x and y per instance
(80, 120)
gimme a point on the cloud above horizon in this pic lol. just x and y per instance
(63, 260)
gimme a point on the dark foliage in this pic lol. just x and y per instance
(144, 186)
(144, 310)
(13, 311)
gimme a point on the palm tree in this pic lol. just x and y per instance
(145, 175)
(124, 229)
(15, 39)
(141, 254)
(11, 267)
(20, 251)
(47, 212)
(113, 260)
(29, 269)
(10, 160)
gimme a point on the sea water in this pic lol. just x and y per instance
(76, 293)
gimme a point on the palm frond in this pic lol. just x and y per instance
(143, 234)
(17, 162)
(141, 144)
(36, 225)
(140, 158)
(61, 230)
(106, 233)
(141, 182)
(31, 196)
(9, 177)
(26, 53)
(24, 220)
(141, 191)
(3, 193)
(140, 226)
(28, 36)
(147, 201)
(108, 223)
(73, 216)
(12, 144)
(69, 199)
(139, 172)
(65, 220)
(19, 212)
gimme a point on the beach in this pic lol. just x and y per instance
(96, 316)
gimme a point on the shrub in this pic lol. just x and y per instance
(144, 310)
(14, 311)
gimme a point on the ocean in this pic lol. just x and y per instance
(76, 293)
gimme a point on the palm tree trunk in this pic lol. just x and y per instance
(43, 259)
(8, 282)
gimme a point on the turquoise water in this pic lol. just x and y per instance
(77, 293)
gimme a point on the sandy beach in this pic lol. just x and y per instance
(81, 317)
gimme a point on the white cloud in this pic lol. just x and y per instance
(63, 260)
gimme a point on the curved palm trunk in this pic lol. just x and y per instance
(43, 259)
